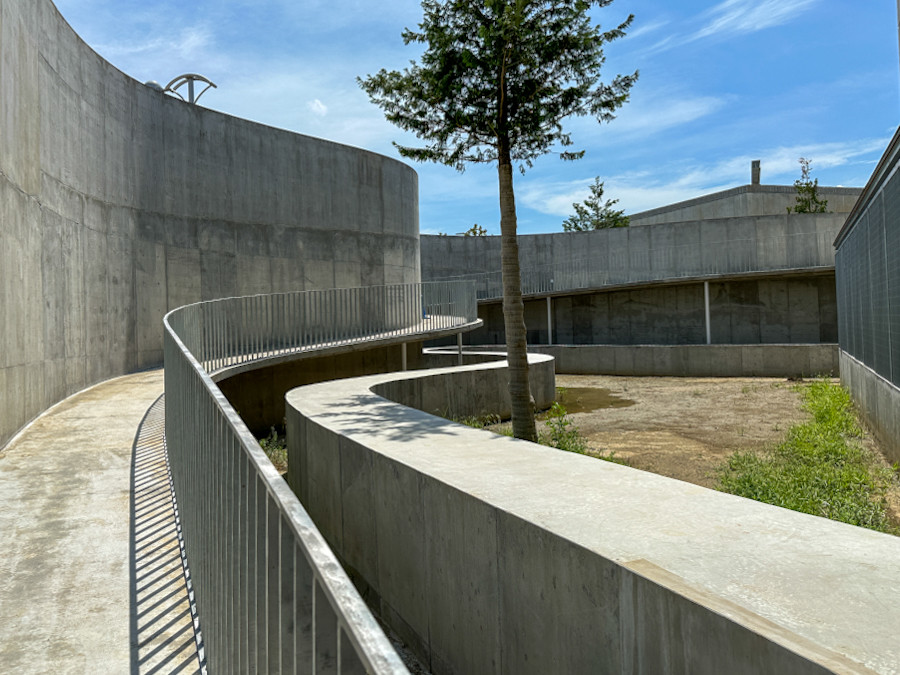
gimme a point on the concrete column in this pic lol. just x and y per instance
(459, 358)
(706, 311)
(754, 167)
(550, 314)
(403, 356)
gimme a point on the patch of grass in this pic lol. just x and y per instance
(821, 468)
(275, 447)
(478, 422)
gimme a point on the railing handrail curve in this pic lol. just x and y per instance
(202, 427)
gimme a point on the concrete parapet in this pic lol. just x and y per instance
(877, 399)
(492, 555)
(771, 360)
(657, 252)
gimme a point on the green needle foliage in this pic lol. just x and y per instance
(594, 213)
(495, 84)
(820, 468)
(808, 200)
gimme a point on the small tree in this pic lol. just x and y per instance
(808, 200)
(495, 83)
(475, 231)
(594, 213)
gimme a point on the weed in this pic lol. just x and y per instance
(561, 431)
(478, 422)
(275, 447)
(820, 468)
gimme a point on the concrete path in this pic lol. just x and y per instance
(91, 580)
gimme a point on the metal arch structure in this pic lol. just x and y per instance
(188, 79)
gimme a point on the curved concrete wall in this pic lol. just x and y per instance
(118, 203)
(664, 251)
(493, 555)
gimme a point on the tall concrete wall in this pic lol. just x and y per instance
(118, 203)
(749, 310)
(746, 200)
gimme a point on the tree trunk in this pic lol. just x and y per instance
(513, 308)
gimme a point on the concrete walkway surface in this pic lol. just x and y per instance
(91, 579)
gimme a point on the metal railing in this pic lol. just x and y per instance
(640, 264)
(271, 596)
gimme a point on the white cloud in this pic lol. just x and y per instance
(734, 17)
(660, 110)
(317, 107)
(640, 191)
(645, 29)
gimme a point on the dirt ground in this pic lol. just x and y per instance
(680, 427)
(686, 428)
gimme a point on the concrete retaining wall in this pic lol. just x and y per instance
(491, 555)
(695, 360)
(749, 310)
(118, 203)
(877, 399)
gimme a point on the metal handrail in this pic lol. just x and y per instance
(638, 264)
(270, 593)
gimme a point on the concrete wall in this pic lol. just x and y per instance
(750, 310)
(491, 555)
(118, 203)
(746, 200)
(665, 251)
(695, 360)
(877, 399)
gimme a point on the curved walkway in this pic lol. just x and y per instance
(90, 579)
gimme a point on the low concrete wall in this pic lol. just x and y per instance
(487, 554)
(877, 399)
(469, 392)
(695, 360)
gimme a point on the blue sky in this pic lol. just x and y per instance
(722, 82)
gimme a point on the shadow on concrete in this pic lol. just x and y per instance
(165, 634)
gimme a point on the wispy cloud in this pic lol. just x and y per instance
(639, 191)
(643, 29)
(660, 110)
(317, 107)
(187, 42)
(734, 17)
(731, 18)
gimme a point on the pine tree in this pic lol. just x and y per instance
(495, 84)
